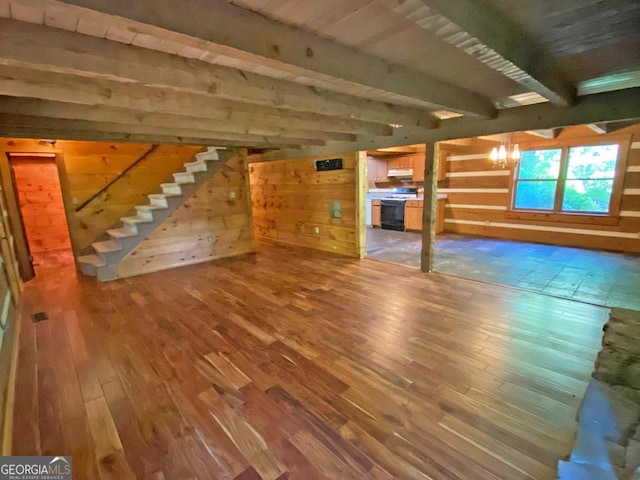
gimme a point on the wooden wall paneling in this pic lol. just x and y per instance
(41, 204)
(10, 296)
(91, 165)
(214, 223)
(555, 238)
(484, 199)
(292, 201)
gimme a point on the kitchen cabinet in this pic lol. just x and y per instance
(400, 163)
(413, 215)
(376, 170)
(418, 168)
(376, 213)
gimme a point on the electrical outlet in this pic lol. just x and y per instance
(316, 230)
(74, 200)
(232, 195)
(209, 239)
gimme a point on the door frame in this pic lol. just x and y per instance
(35, 148)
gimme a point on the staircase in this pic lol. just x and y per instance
(103, 264)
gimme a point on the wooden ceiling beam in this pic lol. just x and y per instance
(615, 126)
(613, 106)
(21, 82)
(23, 126)
(98, 113)
(549, 133)
(54, 50)
(240, 33)
(8, 120)
(535, 68)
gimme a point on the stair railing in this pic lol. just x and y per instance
(114, 180)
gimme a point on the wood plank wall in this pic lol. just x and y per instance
(41, 204)
(89, 166)
(292, 201)
(209, 225)
(479, 196)
(10, 291)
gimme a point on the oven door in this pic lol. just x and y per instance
(392, 214)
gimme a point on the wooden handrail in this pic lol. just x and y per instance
(114, 180)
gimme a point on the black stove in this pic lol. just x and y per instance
(392, 208)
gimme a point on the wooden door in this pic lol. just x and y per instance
(40, 198)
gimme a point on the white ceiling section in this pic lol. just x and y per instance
(300, 77)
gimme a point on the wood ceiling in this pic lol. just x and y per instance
(303, 77)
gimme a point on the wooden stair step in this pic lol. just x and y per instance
(196, 166)
(210, 155)
(161, 199)
(184, 177)
(135, 220)
(171, 188)
(107, 246)
(122, 232)
(93, 260)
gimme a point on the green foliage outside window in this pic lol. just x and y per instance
(587, 175)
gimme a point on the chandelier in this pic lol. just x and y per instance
(505, 154)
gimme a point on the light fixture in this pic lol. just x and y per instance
(505, 154)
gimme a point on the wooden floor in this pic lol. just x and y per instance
(296, 364)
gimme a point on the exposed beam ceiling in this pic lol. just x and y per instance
(240, 32)
(97, 113)
(8, 120)
(615, 126)
(54, 50)
(503, 45)
(549, 133)
(597, 128)
(311, 78)
(21, 82)
(619, 105)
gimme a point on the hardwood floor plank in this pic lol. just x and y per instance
(298, 364)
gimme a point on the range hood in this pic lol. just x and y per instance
(400, 172)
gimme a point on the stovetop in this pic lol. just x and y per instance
(402, 193)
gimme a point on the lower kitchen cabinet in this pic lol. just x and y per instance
(413, 215)
(376, 213)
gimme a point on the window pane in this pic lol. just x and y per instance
(540, 164)
(587, 196)
(598, 161)
(536, 195)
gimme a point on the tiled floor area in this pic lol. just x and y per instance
(601, 278)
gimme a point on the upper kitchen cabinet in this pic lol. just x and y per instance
(400, 163)
(418, 167)
(377, 170)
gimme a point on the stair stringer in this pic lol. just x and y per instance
(121, 241)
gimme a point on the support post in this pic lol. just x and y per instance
(430, 206)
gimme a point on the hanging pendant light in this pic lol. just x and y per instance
(505, 154)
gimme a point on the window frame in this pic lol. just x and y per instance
(557, 215)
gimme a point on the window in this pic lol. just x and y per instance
(566, 180)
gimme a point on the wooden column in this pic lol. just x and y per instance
(361, 202)
(429, 209)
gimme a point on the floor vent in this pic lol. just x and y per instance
(40, 316)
